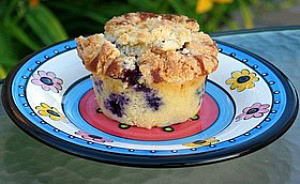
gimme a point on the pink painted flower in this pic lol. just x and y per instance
(47, 80)
(257, 110)
(92, 137)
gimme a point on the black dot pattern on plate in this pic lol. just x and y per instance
(67, 47)
(168, 129)
(29, 69)
(271, 82)
(21, 95)
(24, 77)
(108, 147)
(212, 145)
(131, 150)
(174, 151)
(273, 111)
(220, 50)
(56, 51)
(245, 60)
(277, 102)
(276, 92)
(265, 74)
(196, 117)
(56, 130)
(194, 149)
(25, 105)
(247, 134)
(42, 122)
(258, 126)
(233, 54)
(124, 126)
(32, 114)
(38, 62)
(267, 119)
(90, 142)
(21, 86)
(46, 57)
(232, 140)
(71, 136)
(255, 66)
(152, 151)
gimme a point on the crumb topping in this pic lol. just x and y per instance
(165, 48)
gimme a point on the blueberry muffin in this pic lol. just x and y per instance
(149, 70)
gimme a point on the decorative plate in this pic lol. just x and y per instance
(248, 104)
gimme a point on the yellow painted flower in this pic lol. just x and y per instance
(205, 142)
(51, 112)
(242, 80)
(204, 6)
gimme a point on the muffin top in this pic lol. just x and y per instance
(150, 48)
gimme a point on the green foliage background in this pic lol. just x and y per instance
(28, 25)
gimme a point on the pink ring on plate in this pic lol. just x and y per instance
(208, 114)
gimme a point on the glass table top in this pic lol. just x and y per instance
(26, 160)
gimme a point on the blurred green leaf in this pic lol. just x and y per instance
(146, 5)
(2, 72)
(178, 6)
(246, 14)
(233, 25)
(21, 36)
(10, 8)
(45, 25)
(115, 8)
(77, 9)
(8, 57)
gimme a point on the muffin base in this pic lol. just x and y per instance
(157, 105)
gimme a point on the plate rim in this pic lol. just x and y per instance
(146, 161)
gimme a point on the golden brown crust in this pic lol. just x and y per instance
(99, 55)
(166, 48)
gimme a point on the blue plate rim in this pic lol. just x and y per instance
(287, 119)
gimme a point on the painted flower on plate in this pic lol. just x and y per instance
(242, 80)
(90, 137)
(51, 112)
(257, 110)
(47, 80)
(204, 142)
